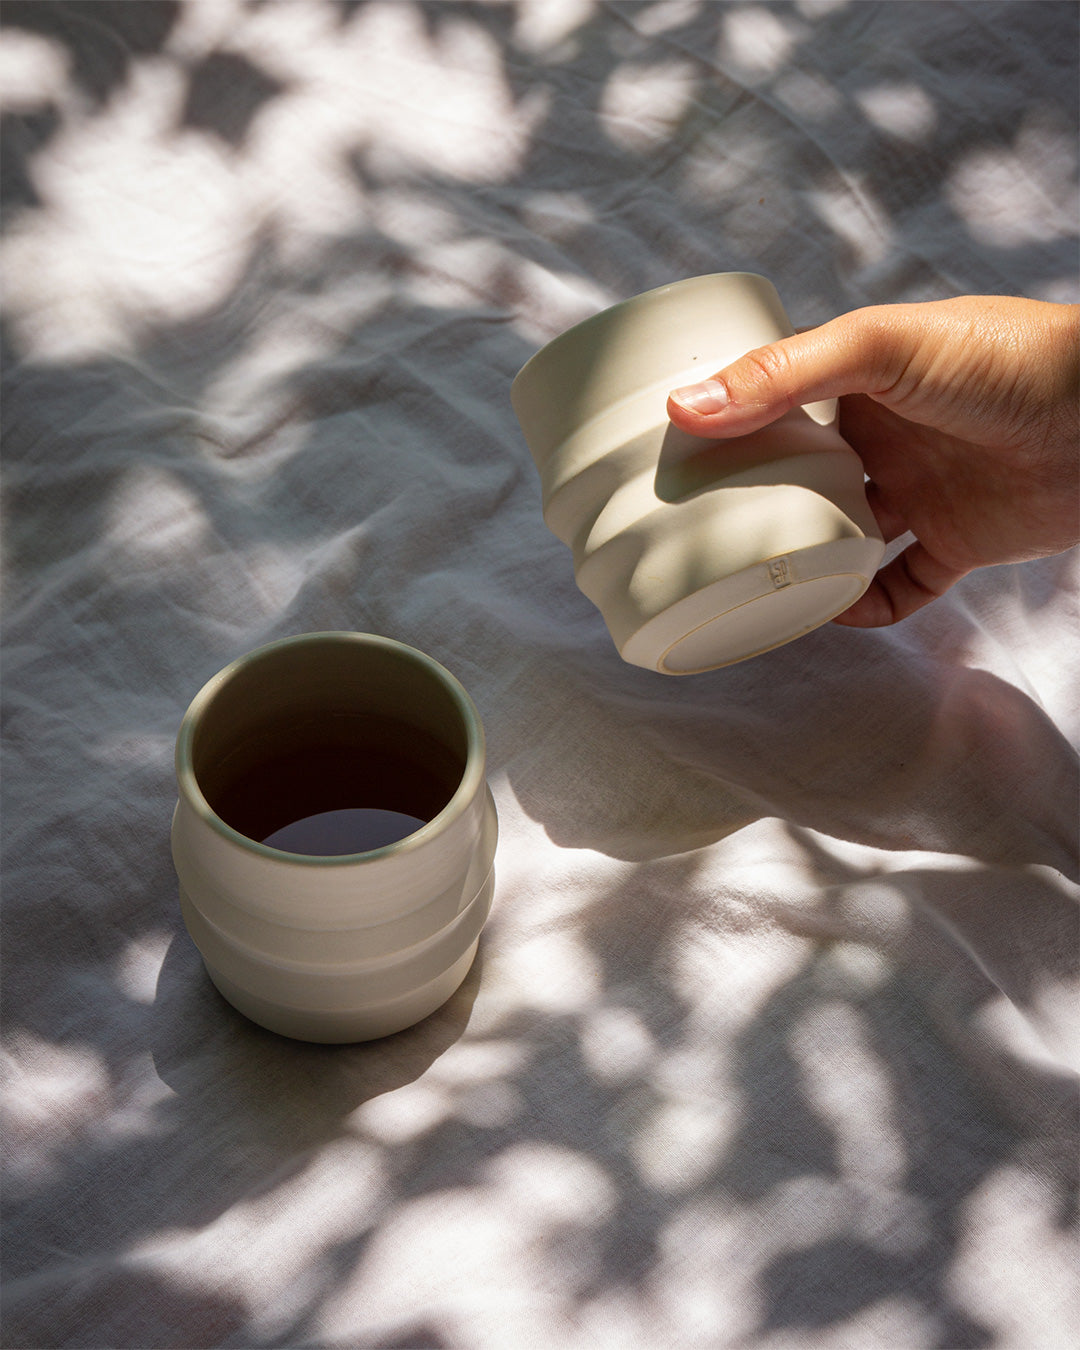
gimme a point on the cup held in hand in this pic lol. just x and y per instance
(697, 552)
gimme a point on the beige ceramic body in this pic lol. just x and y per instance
(698, 553)
(343, 948)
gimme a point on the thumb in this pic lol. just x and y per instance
(860, 352)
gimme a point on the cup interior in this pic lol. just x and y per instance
(310, 726)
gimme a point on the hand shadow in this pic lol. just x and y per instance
(859, 736)
(690, 465)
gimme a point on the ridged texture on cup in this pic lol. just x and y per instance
(684, 544)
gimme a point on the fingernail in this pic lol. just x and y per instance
(708, 397)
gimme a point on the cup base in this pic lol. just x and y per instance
(343, 1028)
(756, 609)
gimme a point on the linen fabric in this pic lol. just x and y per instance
(772, 1038)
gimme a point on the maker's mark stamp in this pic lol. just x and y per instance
(780, 573)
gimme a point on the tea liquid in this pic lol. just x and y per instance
(334, 785)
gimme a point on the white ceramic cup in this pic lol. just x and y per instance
(698, 553)
(342, 947)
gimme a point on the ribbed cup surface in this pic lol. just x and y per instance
(342, 947)
(678, 539)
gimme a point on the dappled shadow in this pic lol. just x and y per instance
(101, 38)
(225, 93)
(246, 1112)
(855, 1138)
(315, 433)
(894, 1199)
(174, 1319)
(21, 136)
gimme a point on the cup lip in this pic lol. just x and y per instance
(640, 301)
(472, 779)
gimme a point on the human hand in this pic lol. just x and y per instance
(964, 413)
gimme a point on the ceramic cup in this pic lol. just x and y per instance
(698, 553)
(345, 947)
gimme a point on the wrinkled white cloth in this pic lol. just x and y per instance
(771, 1041)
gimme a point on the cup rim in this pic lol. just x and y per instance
(640, 301)
(471, 779)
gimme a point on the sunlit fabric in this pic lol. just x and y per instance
(773, 1037)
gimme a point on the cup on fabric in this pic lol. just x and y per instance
(334, 836)
(697, 552)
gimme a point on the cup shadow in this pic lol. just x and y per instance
(203, 1048)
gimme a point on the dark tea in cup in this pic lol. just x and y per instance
(334, 784)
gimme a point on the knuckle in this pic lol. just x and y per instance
(765, 373)
(890, 340)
